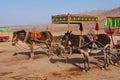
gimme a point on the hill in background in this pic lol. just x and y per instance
(75, 27)
(102, 14)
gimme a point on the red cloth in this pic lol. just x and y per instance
(97, 27)
(35, 35)
(81, 27)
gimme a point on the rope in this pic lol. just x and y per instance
(92, 42)
(86, 44)
(99, 43)
(23, 48)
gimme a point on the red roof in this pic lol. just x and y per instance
(113, 17)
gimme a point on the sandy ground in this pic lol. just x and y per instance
(21, 67)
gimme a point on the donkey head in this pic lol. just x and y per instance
(65, 38)
(18, 35)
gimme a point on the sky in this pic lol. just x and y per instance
(32, 12)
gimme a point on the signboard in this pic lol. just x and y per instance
(73, 19)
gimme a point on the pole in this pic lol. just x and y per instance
(52, 29)
(68, 22)
(80, 39)
(111, 37)
(97, 32)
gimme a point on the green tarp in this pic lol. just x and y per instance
(112, 21)
(5, 29)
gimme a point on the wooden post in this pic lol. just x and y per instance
(52, 29)
(80, 39)
(111, 37)
(97, 32)
(69, 22)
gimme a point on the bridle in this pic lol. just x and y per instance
(66, 41)
(14, 39)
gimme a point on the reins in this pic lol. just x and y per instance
(24, 48)
(21, 47)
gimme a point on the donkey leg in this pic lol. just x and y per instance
(85, 68)
(108, 56)
(105, 60)
(88, 63)
(49, 46)
(49, 49)
(87, 56)
(84, 62)
(104, 66)
(32, 52)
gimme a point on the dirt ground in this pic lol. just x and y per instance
(20, 67)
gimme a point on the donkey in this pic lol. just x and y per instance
(31, 38)
(84, 44)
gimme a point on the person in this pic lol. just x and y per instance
(91, 34)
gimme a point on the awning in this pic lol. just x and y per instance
(112, 21)
(5, 29)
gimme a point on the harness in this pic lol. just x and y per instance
(35, 35)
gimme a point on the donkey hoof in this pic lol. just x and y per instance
(48, 56)
(15, 54)
(83, 70)
(115, 64)
(102, 68)
(87, 70)
(32, 58)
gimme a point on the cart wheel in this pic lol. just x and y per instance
(114, 59)
(66, 52)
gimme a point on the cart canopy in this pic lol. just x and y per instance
(5, 29)
(73, 19)
(112, 21)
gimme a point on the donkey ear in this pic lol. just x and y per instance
(13, 32)
(70, 32)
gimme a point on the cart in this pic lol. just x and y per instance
(113, 23)
(4, 35)
(74, 19)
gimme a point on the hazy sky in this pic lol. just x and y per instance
(27, 12)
